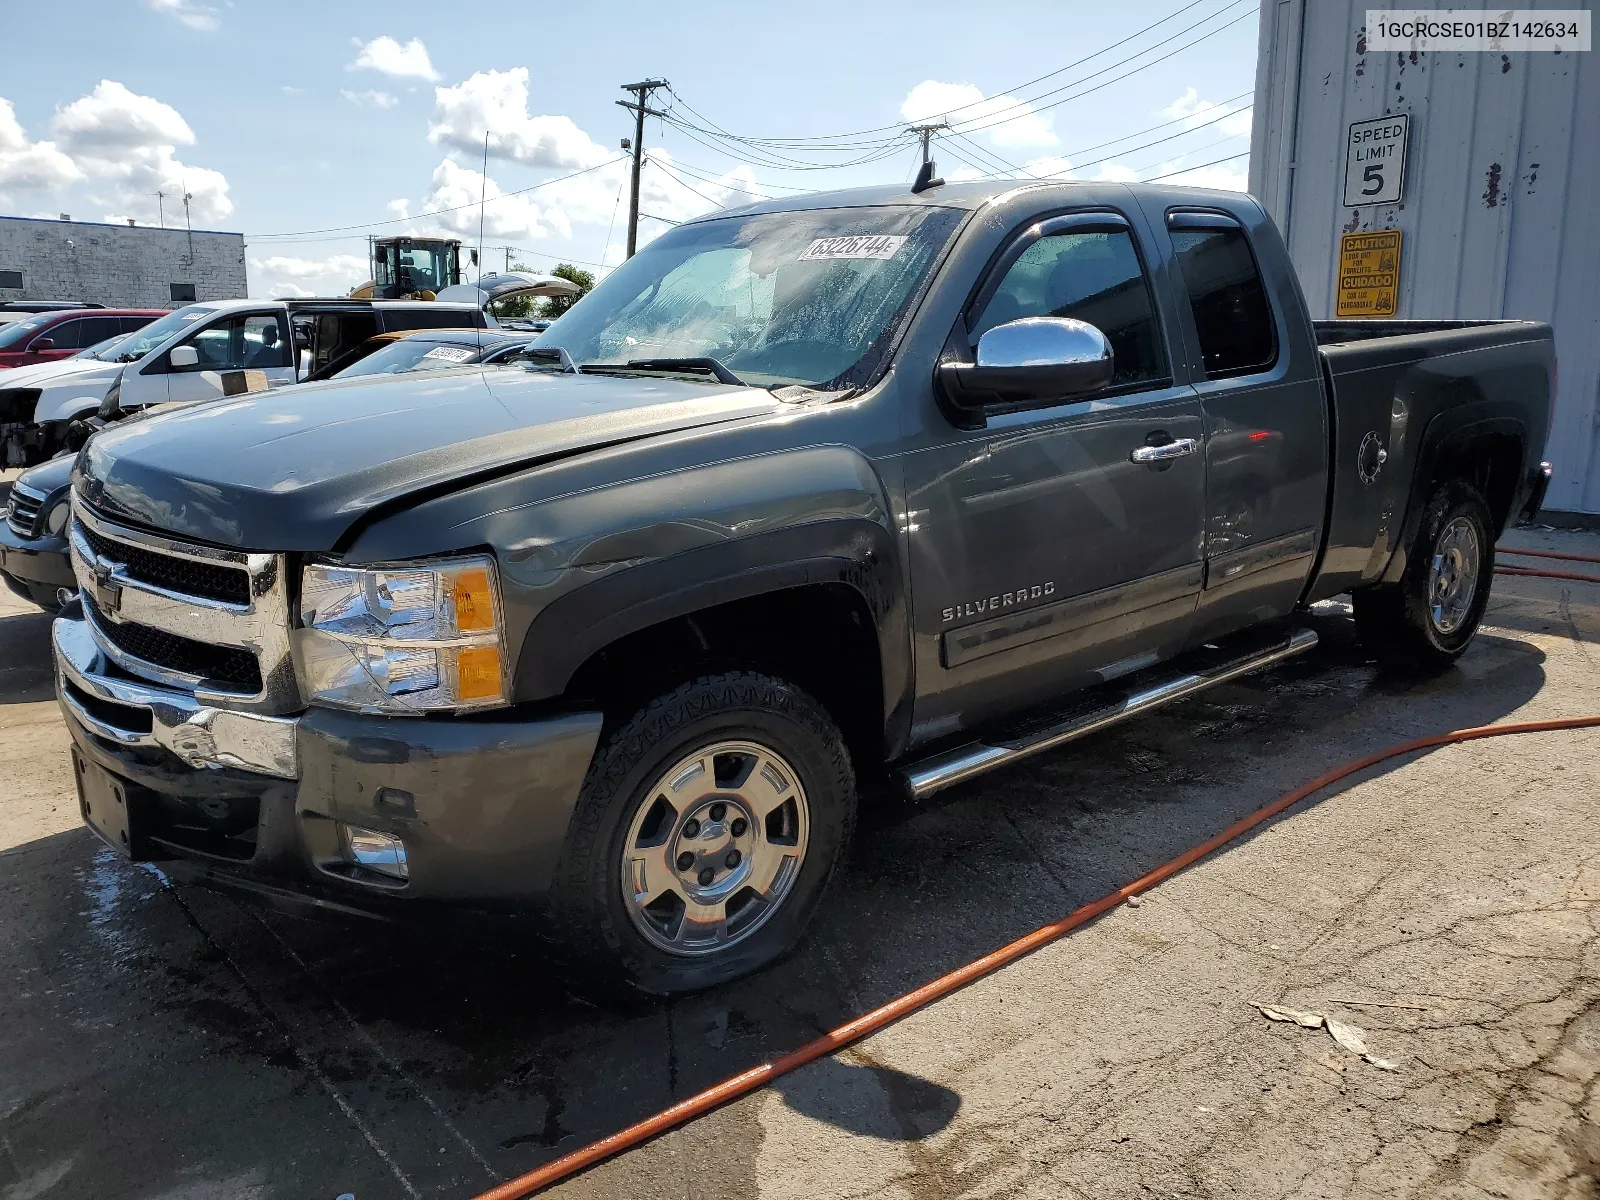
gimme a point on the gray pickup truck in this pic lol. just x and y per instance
(874, 483)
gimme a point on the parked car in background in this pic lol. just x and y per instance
(46, 337)
(196, 353)
(424, 350)
(33, 534)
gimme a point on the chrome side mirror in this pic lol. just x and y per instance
(1036, 358)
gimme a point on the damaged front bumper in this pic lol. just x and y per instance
(264, 804)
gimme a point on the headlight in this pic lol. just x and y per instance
(402, 639)
(111, 404)
(56, 522)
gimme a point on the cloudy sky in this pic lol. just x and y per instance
(309, 126)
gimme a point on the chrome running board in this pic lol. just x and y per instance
(930, 775)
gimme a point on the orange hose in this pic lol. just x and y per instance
(1590, 558)
(1546, 574)
(903, 1006)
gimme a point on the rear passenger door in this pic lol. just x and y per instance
(1266, 481)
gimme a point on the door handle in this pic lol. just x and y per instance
(1163, 453)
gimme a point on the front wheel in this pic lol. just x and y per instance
(706, 833)
(1425, 622)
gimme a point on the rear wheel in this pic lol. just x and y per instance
(1424, 622)
(706, 833)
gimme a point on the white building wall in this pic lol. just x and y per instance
(120, 266)
(1501, 211)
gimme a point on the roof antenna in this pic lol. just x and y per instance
(925, 176)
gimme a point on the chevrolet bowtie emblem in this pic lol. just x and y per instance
(107, 595)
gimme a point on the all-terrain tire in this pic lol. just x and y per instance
(1416, 626)
(599, 928)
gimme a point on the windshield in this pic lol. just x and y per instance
(15, 334)
(411, 354)
(104, 351)
(811, 298)
(142, 341)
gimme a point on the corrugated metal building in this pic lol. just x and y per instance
(1500, 215)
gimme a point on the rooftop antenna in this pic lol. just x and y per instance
(188, 196)
(483, 206)
(925, 176)
(161, 214)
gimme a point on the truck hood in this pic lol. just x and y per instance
(294, 468)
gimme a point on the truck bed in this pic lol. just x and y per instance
(1333, 333)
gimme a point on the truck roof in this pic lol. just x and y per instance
(976, 194)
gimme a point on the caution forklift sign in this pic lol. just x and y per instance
(1369, 274)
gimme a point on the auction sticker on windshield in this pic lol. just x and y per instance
(860, 245)
(449, 353)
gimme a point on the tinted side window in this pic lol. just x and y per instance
(67, 335)
(1229, 302)
(1093, 277)
(98, 329)
(129, 324)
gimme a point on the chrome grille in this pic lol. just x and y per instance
(182, 575)
(23, 512)
(236, 669)
(210, 621)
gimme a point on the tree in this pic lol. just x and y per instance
(554, 306)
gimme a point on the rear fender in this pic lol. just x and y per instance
(1447, 435)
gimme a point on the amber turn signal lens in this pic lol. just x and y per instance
(478, 673)
(474, 601)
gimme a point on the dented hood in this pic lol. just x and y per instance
(293, 469)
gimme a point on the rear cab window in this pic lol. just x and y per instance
(1226, 295)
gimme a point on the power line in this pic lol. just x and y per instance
(438, 211)
(1216, 162)
(1033, 103)
(1051, 74)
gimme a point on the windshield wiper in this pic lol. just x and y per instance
(706, 366)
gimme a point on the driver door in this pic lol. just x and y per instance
(256, 341)
(1046, 556)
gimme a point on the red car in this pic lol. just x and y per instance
(43, 337)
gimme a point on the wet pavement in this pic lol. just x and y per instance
(161, 1041)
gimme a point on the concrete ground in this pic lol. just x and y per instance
(159, 1042)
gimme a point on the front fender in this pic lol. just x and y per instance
(611, 561)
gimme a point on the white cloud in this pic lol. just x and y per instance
(389, 57)
(496, 102)
(370, 99)
(286, 275)
(289, 89)
(131, 141)
(30, 166)
(460, 188)
(1194, 112)
(192, 13)
(111, 119)
(1010, 122)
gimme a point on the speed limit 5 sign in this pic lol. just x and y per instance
(1375, 161)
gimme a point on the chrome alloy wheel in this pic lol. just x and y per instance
(1453, 575)
(715, 848)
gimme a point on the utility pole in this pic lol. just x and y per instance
(188, 196)
(927, 132)
(640, 108)
(925, 179)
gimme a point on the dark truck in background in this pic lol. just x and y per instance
(869, 483)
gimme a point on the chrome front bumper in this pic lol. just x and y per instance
(112, 706)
